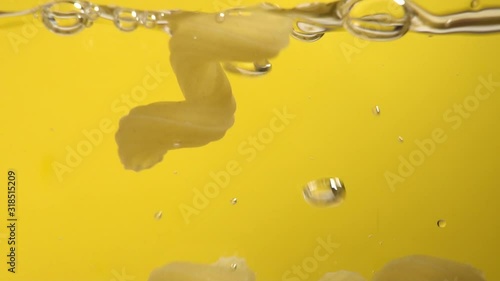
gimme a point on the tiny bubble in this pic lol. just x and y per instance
(158, 215)
(234, 266)
(376, 110)
(220, 17)
(234, 201)
(400, 139)
(441, 223)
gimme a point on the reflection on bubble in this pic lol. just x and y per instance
(220, 17)
(326, 192)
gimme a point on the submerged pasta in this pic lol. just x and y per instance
(342, 275)
(410, 268)
(222, 270)
(426, 268)
(198, 45)
(415, 268)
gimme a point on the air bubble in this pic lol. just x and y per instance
(474, 4)
(401, 139)
(234, 266)
(307, 32)
(376, 110)
(326, 192)
(92, 12)
(234, 201)
(158, 215)
(441, 223)
(249, 69)
(379, 20)
(220, 17)
(126, 19)
(65, 17)
(148, 19)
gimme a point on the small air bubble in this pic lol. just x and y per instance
(441, 223)
(474, 4)
(401, 139)
(324, 192)
(376, 110)
(234, 266)
(234, 201)
(158, 215)
(220, 17)
(126, 20)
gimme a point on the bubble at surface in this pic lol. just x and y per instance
(376, 110)
(401, 139)
(126, 19)
(441, 223)
(234, 201)
(326, 192)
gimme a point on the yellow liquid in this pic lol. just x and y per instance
(90, 219)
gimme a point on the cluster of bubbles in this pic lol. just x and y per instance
(372, 20)
(70, 17)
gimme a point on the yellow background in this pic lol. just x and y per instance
(98, 221)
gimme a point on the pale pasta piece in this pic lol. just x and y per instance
(198, 44)
(220, 271)
(342, 275)
(426, 268)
